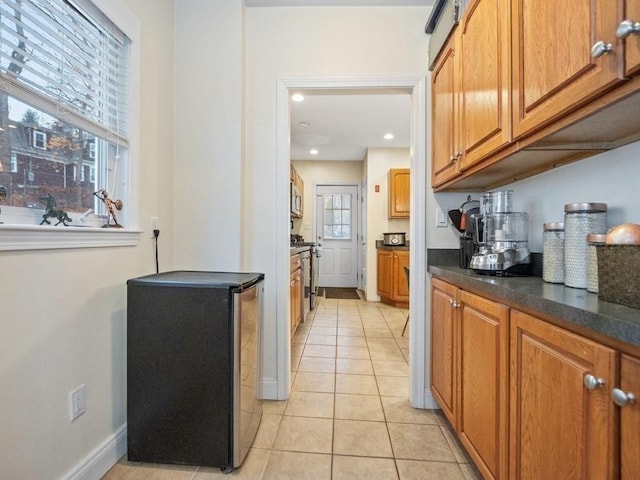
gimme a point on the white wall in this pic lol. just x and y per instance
(378, 162)
(208, 181)
(309, 42)
(63, 312)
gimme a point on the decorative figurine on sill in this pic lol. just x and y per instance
(111, 205)
(51, 211)
(3, 196)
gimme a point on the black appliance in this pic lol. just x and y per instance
(462, 220)
(193, 366)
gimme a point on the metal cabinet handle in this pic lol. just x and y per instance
(601, 48)
(453, 303)
(626, 28)
(453, 158)
(622, 398)
(592, 382)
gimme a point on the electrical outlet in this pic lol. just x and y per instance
(77, 402)
(154, 223)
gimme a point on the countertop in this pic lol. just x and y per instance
(299, 248)
(381, 246)
(576, 309)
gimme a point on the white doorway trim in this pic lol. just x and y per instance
(419, 394)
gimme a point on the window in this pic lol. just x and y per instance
(337, 216)
(39, 140)
(64, 76)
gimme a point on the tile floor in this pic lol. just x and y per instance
(348, 416)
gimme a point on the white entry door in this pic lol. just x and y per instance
(337, 235)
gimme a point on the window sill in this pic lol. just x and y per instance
(36, 237)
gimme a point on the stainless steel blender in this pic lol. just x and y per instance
(501, 237)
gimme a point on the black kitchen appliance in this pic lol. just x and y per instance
(193, 365)
(461, 219)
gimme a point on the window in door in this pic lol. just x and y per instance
(337, 216)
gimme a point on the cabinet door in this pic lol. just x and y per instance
(444, 116)
(385, 273)
(401, 285)
(553, 69)
(559, 427)
(486, 85)
(630, 419)
(295, 300)
(632, 41)
(399, 193)
(483, 383)
(443, 349)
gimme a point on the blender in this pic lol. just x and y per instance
(501, 237)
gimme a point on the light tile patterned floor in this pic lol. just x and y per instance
(348, 417)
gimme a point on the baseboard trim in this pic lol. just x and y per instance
(429, 400)
(269, 389)
(98, 462)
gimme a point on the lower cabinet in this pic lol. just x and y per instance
(393, 287)
(627, 397)
(295, 293)
(562, 417)
(469, 372)
(530, 400)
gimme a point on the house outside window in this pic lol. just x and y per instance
(64, 77)
(39, 140)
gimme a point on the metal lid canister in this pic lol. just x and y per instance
(580, 219)
(553, 252)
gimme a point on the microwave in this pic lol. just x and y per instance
(296, 201)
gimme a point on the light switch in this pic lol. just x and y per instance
(441, 218)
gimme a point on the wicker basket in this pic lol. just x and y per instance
(619, 274)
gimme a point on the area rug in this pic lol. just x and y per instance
(342, 293)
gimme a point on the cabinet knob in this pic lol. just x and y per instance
(626, 28)
(621, 398)
(453, 303)
(453, 158)
(601, 48)
(592, 382)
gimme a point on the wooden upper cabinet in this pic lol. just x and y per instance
(630, 419)
(632, 37)
(485, 72)
(445, 120)
(560, 427)
(399, 193)
(554, 71)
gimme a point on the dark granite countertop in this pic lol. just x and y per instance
(571, 307)
(381, 246)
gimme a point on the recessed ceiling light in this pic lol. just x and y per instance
(388, 136)
(297, 97)
(304, 124)
(313, 151)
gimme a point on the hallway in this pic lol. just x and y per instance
(348, 416)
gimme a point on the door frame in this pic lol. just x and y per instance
(415, 85)
(314, 228)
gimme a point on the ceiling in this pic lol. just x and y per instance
(342, 125)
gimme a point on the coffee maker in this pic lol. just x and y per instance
(461, 219)
(500, 237)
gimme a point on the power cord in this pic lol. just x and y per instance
(156, 234)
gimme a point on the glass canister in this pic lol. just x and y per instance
(580, 219)
(553, 252)
(593, 239)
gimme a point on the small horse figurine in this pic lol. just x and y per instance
(50, 211)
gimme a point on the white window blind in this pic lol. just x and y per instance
(66, 58)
